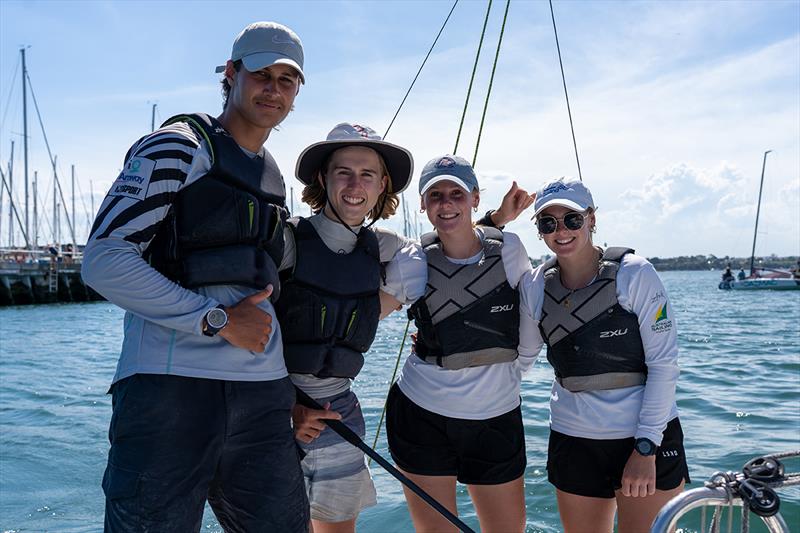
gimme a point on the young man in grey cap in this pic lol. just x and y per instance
(187, 241)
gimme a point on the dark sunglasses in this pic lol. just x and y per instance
(549, 224)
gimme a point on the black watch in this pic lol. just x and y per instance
(645, 447)
(214, 321)
(486, 220)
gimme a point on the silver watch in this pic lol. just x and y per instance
(215, 320)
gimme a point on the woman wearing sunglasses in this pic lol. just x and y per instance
(454, 413)
(615, 439)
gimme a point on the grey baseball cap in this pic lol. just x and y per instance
(399, 163)
(263, 44)
(564, 191)
(448, 168)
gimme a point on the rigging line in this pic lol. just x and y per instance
(350, 436)
(10, 94)
(566, 95)
(50, 153)
(14, 209)
(420, 68)
(391, 382)
(472, 78)
(491, 80)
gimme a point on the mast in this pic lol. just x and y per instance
(74, 243)
(25, 133)
(35, 209)
(55, 206)
(153, 118)
(11, 198)
(758, 211)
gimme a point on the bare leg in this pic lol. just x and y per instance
(580, 514)
(426, 519)
(637, 514)
(347, 526)
(500, 508)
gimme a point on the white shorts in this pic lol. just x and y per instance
(338, 482)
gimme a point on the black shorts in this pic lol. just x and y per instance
(592, 467)
(477, 452)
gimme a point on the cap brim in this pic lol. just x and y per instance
(399, 162)
(558, 201)
(256, 62)
(444, 177)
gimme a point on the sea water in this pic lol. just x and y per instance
(738, 396)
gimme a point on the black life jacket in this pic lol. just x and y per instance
(592, 342)
(226, 228)
(330, 306)
(469, 315)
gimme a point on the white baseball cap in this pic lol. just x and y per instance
(564, 191)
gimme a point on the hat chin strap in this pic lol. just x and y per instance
(345, 224)
(329, 204)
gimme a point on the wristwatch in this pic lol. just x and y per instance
(214, 321)
(645, 447)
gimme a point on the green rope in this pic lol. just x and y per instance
(491, 79)
(483, 118)
(472, 78)
(391, 382)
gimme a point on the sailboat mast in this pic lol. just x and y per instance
(11, 198)
(25, 133)
(758, 211)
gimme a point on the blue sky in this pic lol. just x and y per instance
(674, 102)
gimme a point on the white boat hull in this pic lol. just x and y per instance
(775, 284)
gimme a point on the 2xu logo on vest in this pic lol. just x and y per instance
(613, 333)
(501, 308)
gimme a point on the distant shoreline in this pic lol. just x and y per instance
(712, 262)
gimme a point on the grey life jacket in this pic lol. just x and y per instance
(226, 228)
(469, 315)
(329, 309)
(592, 342)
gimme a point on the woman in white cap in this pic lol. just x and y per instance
(615, 439)
(454, 413)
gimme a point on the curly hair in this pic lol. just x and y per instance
(316, 196)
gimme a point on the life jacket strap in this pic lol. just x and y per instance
(607, 381)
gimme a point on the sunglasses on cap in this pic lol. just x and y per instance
(548, 224)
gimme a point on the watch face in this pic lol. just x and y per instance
(645, 447)
(217, 318)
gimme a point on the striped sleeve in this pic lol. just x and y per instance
(156, 168)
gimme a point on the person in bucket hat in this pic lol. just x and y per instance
(201, 400)
(454, 414)
(332, 274)
(616, 444)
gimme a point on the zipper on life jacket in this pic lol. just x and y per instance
(481, 327)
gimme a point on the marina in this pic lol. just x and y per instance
(666, 190)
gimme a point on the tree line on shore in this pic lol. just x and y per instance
(712, 262)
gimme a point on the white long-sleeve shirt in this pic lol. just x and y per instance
(474, 393)
(640, 411)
